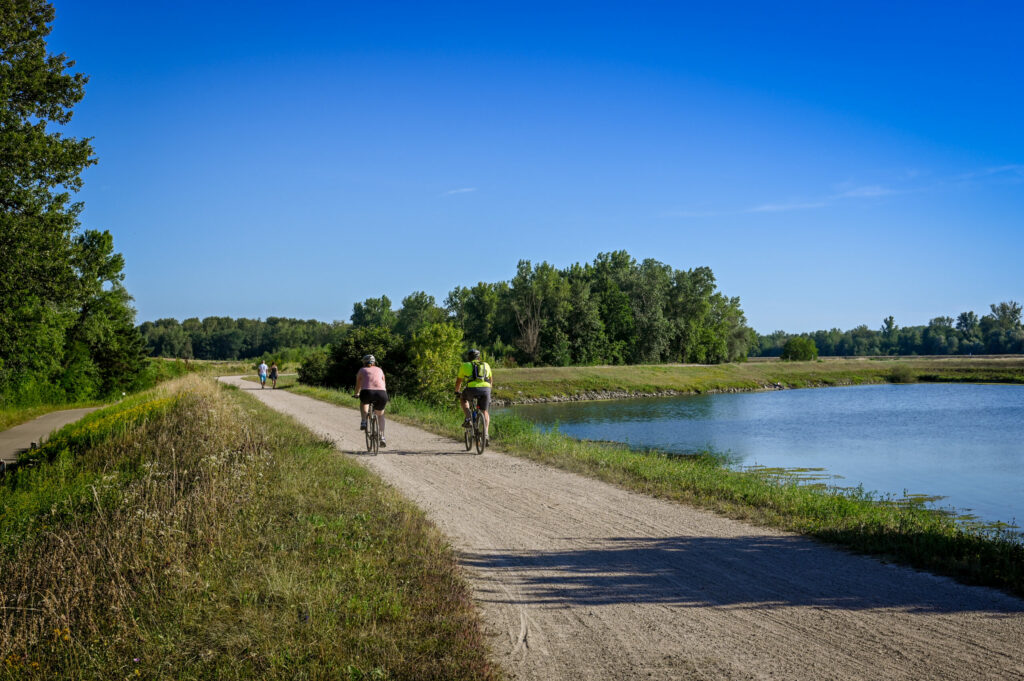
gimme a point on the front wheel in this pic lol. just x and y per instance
(469, 437)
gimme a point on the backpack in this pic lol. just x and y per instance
(479, 371)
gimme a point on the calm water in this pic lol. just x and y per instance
(963, 442)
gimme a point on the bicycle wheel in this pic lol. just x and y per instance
(468, 432)
(376, 435)
(478, 435)
(371, 431)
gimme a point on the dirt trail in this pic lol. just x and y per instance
(577, 579)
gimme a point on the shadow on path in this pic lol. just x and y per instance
(746, 572)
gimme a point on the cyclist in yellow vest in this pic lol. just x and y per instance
(477, 377)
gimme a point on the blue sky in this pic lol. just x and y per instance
(833, 165)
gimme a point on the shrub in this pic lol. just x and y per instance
(434, 354)
(313, 370)
(800, 349)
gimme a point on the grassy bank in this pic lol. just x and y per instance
(543, 383)
(189, 532)
(856, 520)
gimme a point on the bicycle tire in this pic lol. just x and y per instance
(376, 435)
(369, 433)
(468, 432)
(478, 435)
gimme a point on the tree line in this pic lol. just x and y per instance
(67, 328)
(614, 310)
(224, 338)
(997, 333)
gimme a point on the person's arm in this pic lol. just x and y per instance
(458, 379)
(359, 381)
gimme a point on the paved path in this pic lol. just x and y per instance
(577, 579)
(15, 440)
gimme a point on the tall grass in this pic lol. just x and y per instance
(854, 519)
(191, 533)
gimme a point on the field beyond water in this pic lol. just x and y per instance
(189, 532)
(559, 383)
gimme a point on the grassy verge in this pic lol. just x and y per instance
(189, 532)
(519, 385)
(905, 533)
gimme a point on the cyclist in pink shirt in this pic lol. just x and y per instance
(371, 391)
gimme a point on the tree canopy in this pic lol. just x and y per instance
(66, 325)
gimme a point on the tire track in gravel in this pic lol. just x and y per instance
(577, 579)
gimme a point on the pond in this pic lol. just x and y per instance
(961, 442)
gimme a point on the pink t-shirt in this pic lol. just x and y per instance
(373, 378)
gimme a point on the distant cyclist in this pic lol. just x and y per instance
(262, 370)
(371, 390)
(477, 377)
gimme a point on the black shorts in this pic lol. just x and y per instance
(482, 395)
(378, 398)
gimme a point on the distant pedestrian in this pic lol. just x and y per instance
(273, 375)
(262, 369)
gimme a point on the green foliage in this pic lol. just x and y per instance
(374, 312)
(225, 338)
(346, 357)
(434, 352)
(66, 322)
(800, 349)
(998, 333)
(313, 370)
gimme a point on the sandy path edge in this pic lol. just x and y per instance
(577, 579)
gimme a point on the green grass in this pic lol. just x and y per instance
(902, 532)
(519, 385)
(191, 533)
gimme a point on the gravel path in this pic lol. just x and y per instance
(577, 579)
(17, 439)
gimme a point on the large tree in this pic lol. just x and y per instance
(61, 302)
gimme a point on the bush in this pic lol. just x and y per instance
(800, 349)
(346, 357)
(313, 370)
(434, 353)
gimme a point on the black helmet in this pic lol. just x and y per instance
(369, 359)
(473, 354)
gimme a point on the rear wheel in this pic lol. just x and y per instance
(369, 433)
(468, 432)
(478, 435)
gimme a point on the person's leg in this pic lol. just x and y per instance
(364, 413)
(487, 422)
(380, 423)
(465, 410)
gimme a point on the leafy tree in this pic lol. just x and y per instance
(800, 349)
(434, 355)
(418, 310)
(65, 318)
(1007, 315)
(374, 312)
(966, 322)
(346, 357)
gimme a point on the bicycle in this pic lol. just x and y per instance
(372, 430)
(475, 435)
